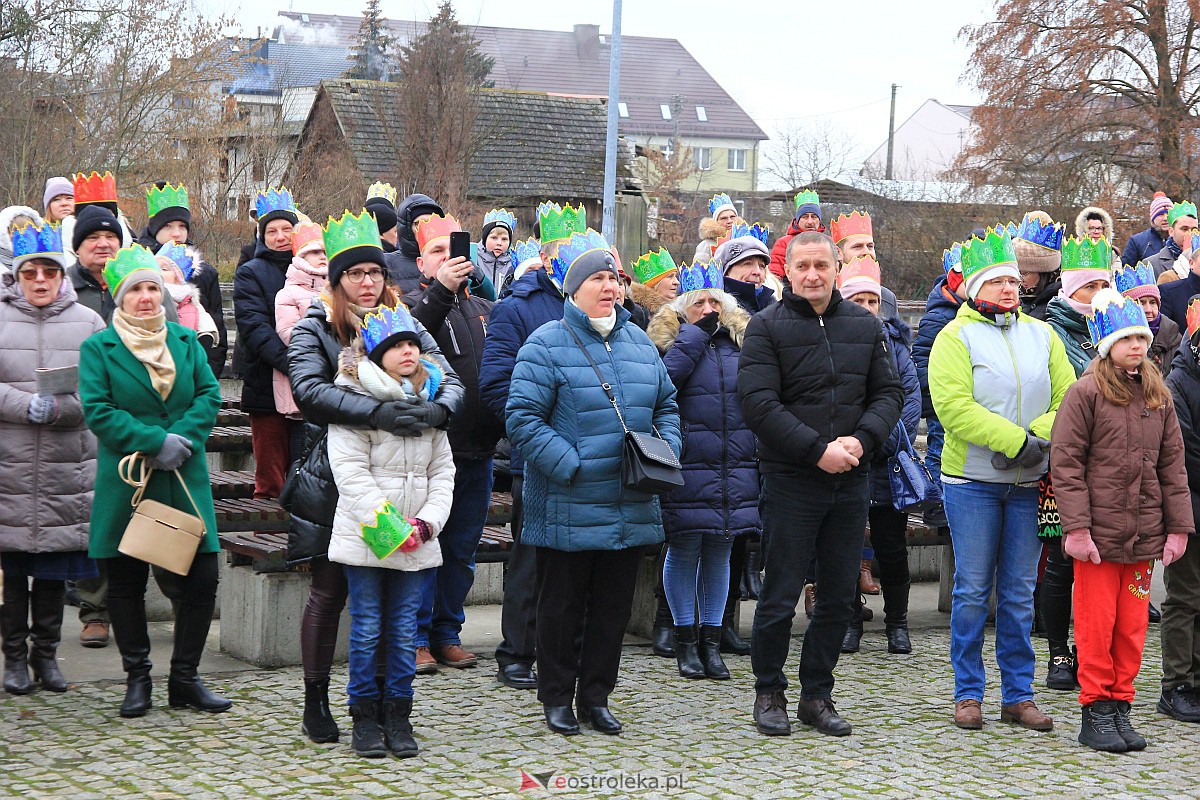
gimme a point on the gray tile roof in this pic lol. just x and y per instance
(266, 67)
(653, 72)
(530, 145)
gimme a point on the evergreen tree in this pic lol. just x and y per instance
(371, 50)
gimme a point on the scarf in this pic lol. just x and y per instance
(1083, 309)
(327, 300)
(382, 386)
(146, 338)
(602, 325)
(1155, 324)
(1175, 250)
(992, 310)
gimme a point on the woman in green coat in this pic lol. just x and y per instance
(146, 387)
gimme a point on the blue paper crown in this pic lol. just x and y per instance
(717, 201)
(1195, 241)
(525, 250)
(760, 232)
(379, 325)
(1033, 231)
(1113, 313)
(1128, 278)
(32, 241)
(274, 200)
(501, 216)
(953, 257)
(571, 249)
(1012, 229)
(701, 275)
(178, 253)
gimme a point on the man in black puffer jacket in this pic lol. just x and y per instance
(402, 269)
(819, 389)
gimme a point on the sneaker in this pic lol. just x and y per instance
(453, 655)
(1098, 729)
(94, 634)
(1061, 674)
(968, 714)
(1027, 715)
(1133, 739)
(1181, 703)
(426, 663)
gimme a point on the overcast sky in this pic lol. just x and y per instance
(782, 60)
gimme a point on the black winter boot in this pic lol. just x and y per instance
(397, 727)
(128, 617)
(752, 575)
(46, 604)
(662, 637)
(319, 725)
(184, 687)
(1099, 727)
(731, 642)
(367, 738)
(687, 653)
(14, 636)
(895, 616)
(854, 631)
(710, 653)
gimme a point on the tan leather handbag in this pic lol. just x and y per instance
(158, 533)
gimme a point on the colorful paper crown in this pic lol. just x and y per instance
(952, 258)
(389, 532)
(1114, 316)
(1184, 209)
(700, 275)
(526, 250)
(276, 200)
(860, 274)
(719, 203)
(501, 216)
(305, 234)
(1086, 254)
(557, 223)
(1193, 317)
(994, 249)
(652, 267)
(1033, 231)
(178, 254)
(1195, 242)
(127, 261)
(37, 241)
(167, 197)
(382, 190)
(742, 228)
(807, 197)
(349, 232)
(379, 326)
(845, 226)
(1128, 278)
(575, 248)
(95, 188)
(434, 228)
(1012, 229)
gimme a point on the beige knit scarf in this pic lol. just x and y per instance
(146, 338)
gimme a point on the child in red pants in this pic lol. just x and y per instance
(1118, 463)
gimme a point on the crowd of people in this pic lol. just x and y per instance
(392, 375)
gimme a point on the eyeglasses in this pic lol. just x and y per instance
(32, 273)
(357, 275)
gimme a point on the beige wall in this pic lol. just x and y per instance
(718, 178)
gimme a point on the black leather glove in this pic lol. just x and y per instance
(396, 417)
(430, 415)
(709, 322)
(175, 450)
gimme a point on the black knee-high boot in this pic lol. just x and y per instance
(46, 603)
(184, 687)
(130, 629)
(14, 635)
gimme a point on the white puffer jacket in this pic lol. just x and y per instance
(369, 466)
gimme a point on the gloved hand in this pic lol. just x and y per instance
(1033, 453)
(709, 322)
(1176, 545)
(420, 535)
(175, 450)
(395, 417)
(1079, 546)
(429, 415)
(42, 410)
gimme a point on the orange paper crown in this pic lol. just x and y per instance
(305, 234)
(861, 273)
(435, 228)
(1193, 317)
(844, 226)
(95, 188)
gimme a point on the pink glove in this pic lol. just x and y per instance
(420, 535)
(1079, 546)
(1176, 544)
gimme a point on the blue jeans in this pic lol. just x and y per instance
(687, 555)
(441, 617)
(993, 528)
(935, 438)
(382, 600)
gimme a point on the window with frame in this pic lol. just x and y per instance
(665, 109)
(736, 161)
(702, 156)
(622, 110)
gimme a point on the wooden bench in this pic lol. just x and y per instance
(232, 438)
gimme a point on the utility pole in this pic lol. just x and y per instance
(610, 142)
(891, 134)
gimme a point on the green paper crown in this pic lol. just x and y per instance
(350, 232)
(127, 261)
(389, 531)
(993, 249)
(807, 196)
(557, 224)
(1086, 254)
(167, 197)
(652, 266)
(1185, 209)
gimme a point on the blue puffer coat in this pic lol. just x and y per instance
(720, 456)
(940, 308)
(897, 333)
(571, 438)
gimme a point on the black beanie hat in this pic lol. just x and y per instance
(267, 218)
(169, 214)
(490, 226)
(355, 255)
(383, 212)
(92, 218)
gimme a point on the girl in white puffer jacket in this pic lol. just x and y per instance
(394, 496)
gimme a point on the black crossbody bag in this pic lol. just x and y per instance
(648, 464)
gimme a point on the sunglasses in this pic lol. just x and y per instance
(33, 273)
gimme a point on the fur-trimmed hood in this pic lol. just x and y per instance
(664, 327)
(711, 229)
(1081, 222)
(647, 298)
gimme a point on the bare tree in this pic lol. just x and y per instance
(801, 154)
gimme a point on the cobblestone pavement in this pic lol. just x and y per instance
(477, 737)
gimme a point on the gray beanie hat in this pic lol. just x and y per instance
(54, 187)
(740, 249)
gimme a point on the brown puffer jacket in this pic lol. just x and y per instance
(1119, 472)
(46, 471)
